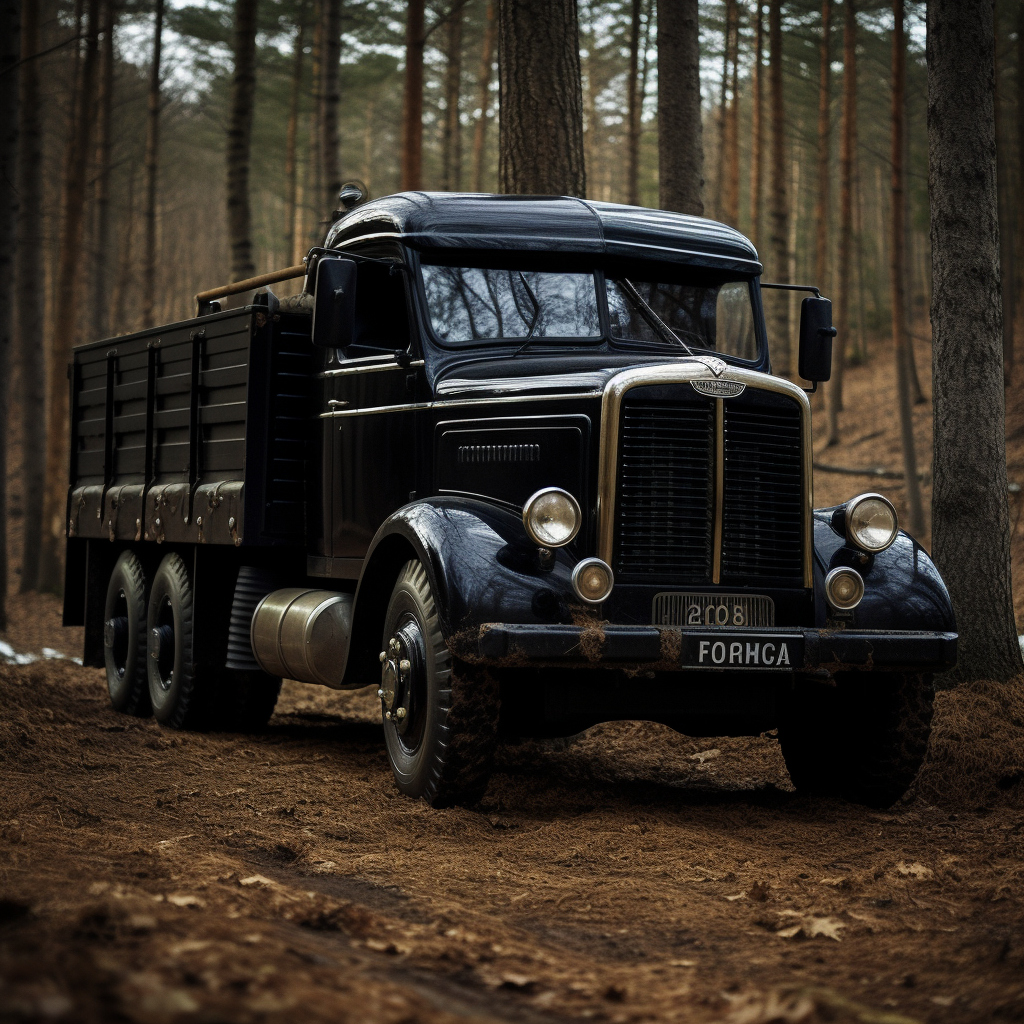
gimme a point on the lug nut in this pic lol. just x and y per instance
(380, 693)
(387, 715)
(383, 656)
(404, 665)
(400, 713)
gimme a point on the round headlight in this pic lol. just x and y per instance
(552, 517)
(592, 580)
(871, 523)
(844, 588)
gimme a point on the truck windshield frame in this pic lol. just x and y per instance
(676, 307)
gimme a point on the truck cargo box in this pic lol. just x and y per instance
(195, 432)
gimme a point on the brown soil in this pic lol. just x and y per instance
(633, 874)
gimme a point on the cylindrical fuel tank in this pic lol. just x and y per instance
(303, 634)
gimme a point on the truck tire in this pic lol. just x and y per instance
(863, 739)
(440, 714)
(174, 689)
(124, 637)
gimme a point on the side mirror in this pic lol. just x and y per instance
(334, 303)
(816, 334)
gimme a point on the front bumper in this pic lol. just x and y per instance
(671, 649)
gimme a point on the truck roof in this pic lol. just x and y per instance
(454, 220)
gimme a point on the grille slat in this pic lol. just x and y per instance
(665, 501)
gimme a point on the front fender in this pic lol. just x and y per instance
(481, 566)
(902, 586)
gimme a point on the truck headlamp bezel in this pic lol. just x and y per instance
(577, 577)
(546, 501)
(835, 579)
(855, 535)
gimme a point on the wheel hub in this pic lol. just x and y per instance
(401, 661)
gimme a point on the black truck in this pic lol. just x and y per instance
(522, 464)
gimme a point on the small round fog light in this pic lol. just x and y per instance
(552, 517)
(844, 588)
(592, 580)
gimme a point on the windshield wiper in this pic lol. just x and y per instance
(652, 318)
(536, 313)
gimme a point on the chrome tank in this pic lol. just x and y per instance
(303, 634)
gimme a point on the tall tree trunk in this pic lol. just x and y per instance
(633, 109)
(291, 165)
(1018, 284)
(29, 296)
(412, 103)
(778, 239)
(757, 127)
(916, 394)
(10, 53)
(541, 98)
(822, 199)
(731, 203)
(680, 131)
(100, 300)
(243, 91)
(723, 101)
(331, 98)
(970, 512)
(126, 261)
(451, 156)
(858, 233)
(368, 134)
(66, 319)
(483, 85)
(316, 178)
(152, 169)
(1005, 191)
(897, 262)
(847, 157)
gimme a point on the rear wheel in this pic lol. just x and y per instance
(178, 699)
(440, 714)
(124, 636)
(864, 738)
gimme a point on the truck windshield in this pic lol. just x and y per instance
(473, 305)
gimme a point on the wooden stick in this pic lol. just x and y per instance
(288, 274)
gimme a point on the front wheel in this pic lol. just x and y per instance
(440, 714)
(863, 738)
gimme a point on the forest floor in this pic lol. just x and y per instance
(630, 874)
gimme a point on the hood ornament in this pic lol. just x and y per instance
(713, 363)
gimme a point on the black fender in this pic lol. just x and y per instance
(903, 589)
(482, 568)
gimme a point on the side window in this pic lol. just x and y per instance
(382, 320)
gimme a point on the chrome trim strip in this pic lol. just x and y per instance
(681, 373)
(719, 509)
(373, 367)
(457, 404)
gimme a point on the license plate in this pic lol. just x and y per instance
(713, 610)
(743, 650)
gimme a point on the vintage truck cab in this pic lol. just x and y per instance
(522, 464)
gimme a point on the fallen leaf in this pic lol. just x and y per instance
(811, 926)
(915, 870)
(180, 900)
(738, 896)
(256, 880)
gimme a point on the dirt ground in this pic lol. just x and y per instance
(632, 874)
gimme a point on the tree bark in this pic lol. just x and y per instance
(1005, 193)
(1018, 283)
(731, 198)
(243, 91)
(823, 197)
(100, 300)
(483, 80)
(847, 158)
(633, 109)
(897, 261)
(412, 104)
(66, 320)
(331, 98)
(29, 295)
(451, 155)
(778, 239)
(126, 261)
(10, 53)
(757, 128)
(722, 105)
(291, 165)
(970, 513)
(152, 169)
(680, 130)
(541, 98)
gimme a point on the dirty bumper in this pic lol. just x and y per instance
(779, 649)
